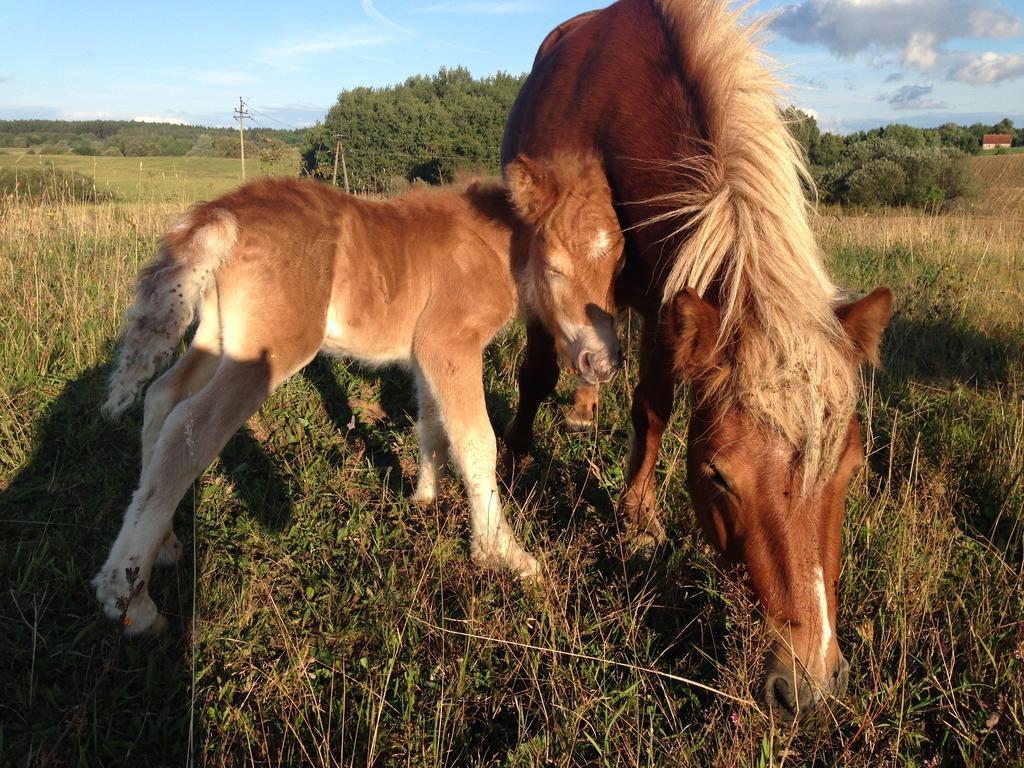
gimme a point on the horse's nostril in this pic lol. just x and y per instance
(586, 364)
(784, 695)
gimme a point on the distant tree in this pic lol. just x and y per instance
(804, 128)
(959, 137)
(420, 129)
(1003, 126)
(878, 172)
(828, 150)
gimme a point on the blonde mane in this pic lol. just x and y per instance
(743, 218)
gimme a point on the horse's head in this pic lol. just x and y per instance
(765, 503)
(576, 251)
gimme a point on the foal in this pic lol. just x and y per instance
(280, 270)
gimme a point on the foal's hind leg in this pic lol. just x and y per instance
(184, 379)
(192, 435)
(456, 382)
(433, 443)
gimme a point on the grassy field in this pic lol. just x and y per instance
(181, 180)
(321, 619)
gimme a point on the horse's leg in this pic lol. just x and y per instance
(433, 443)
(580, 416)
(456, 383)
(651, 411)
(538, 376)
(192, 435)
(184, 379)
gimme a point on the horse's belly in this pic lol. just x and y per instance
(372, 337)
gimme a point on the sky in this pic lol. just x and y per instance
(852, 63)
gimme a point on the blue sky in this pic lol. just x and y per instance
(853, 62)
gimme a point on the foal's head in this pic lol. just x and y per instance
(775, 501)
(576, 251)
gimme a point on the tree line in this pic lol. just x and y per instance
(430, 128)
(128, 138)
(895, 164)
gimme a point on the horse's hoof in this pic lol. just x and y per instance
(170, 551)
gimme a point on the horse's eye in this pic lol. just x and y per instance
(553, 271)
(715, 476)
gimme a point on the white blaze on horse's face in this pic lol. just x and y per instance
(576, 252)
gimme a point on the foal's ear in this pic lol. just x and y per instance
(530, 187)
(865, 320)
(694, 324)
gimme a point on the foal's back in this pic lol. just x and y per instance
(357, 277)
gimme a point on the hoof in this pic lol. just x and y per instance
(424, 497)
(643, 534)
(512, 463)
(170, 551)
(519, 563)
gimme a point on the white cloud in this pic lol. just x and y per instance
(987, 68)
(917, 29)
(371, 10)
(291, 54)
(171, 120)
(483, 7)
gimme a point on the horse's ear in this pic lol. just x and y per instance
(864, 322)
(694, 324)
(530, 187)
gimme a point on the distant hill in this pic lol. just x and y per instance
(128, 138)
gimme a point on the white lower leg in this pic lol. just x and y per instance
(122, 584)
(433, 455)
(494, 544)
(433, 443)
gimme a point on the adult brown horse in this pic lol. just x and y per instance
(708, 183)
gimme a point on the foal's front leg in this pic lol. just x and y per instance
(456, 383)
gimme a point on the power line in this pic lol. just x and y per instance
(264, 116)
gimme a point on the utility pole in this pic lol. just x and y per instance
(339, 150)
(242, 114)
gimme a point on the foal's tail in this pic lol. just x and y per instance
(166, 299)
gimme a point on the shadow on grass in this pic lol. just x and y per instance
(72, 685)
(396, 404)
(942, 351)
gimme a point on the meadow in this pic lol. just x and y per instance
(319, 618)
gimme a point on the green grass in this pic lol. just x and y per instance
(150, 179)
(333, 623)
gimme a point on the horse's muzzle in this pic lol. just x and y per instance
(597, 368)
(791, 696)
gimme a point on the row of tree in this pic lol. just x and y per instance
(432, 126)
(134, 139)
(896, 164)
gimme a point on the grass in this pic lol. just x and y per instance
(181, 180)
(330, 622)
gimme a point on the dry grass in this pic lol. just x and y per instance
(337, 625)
